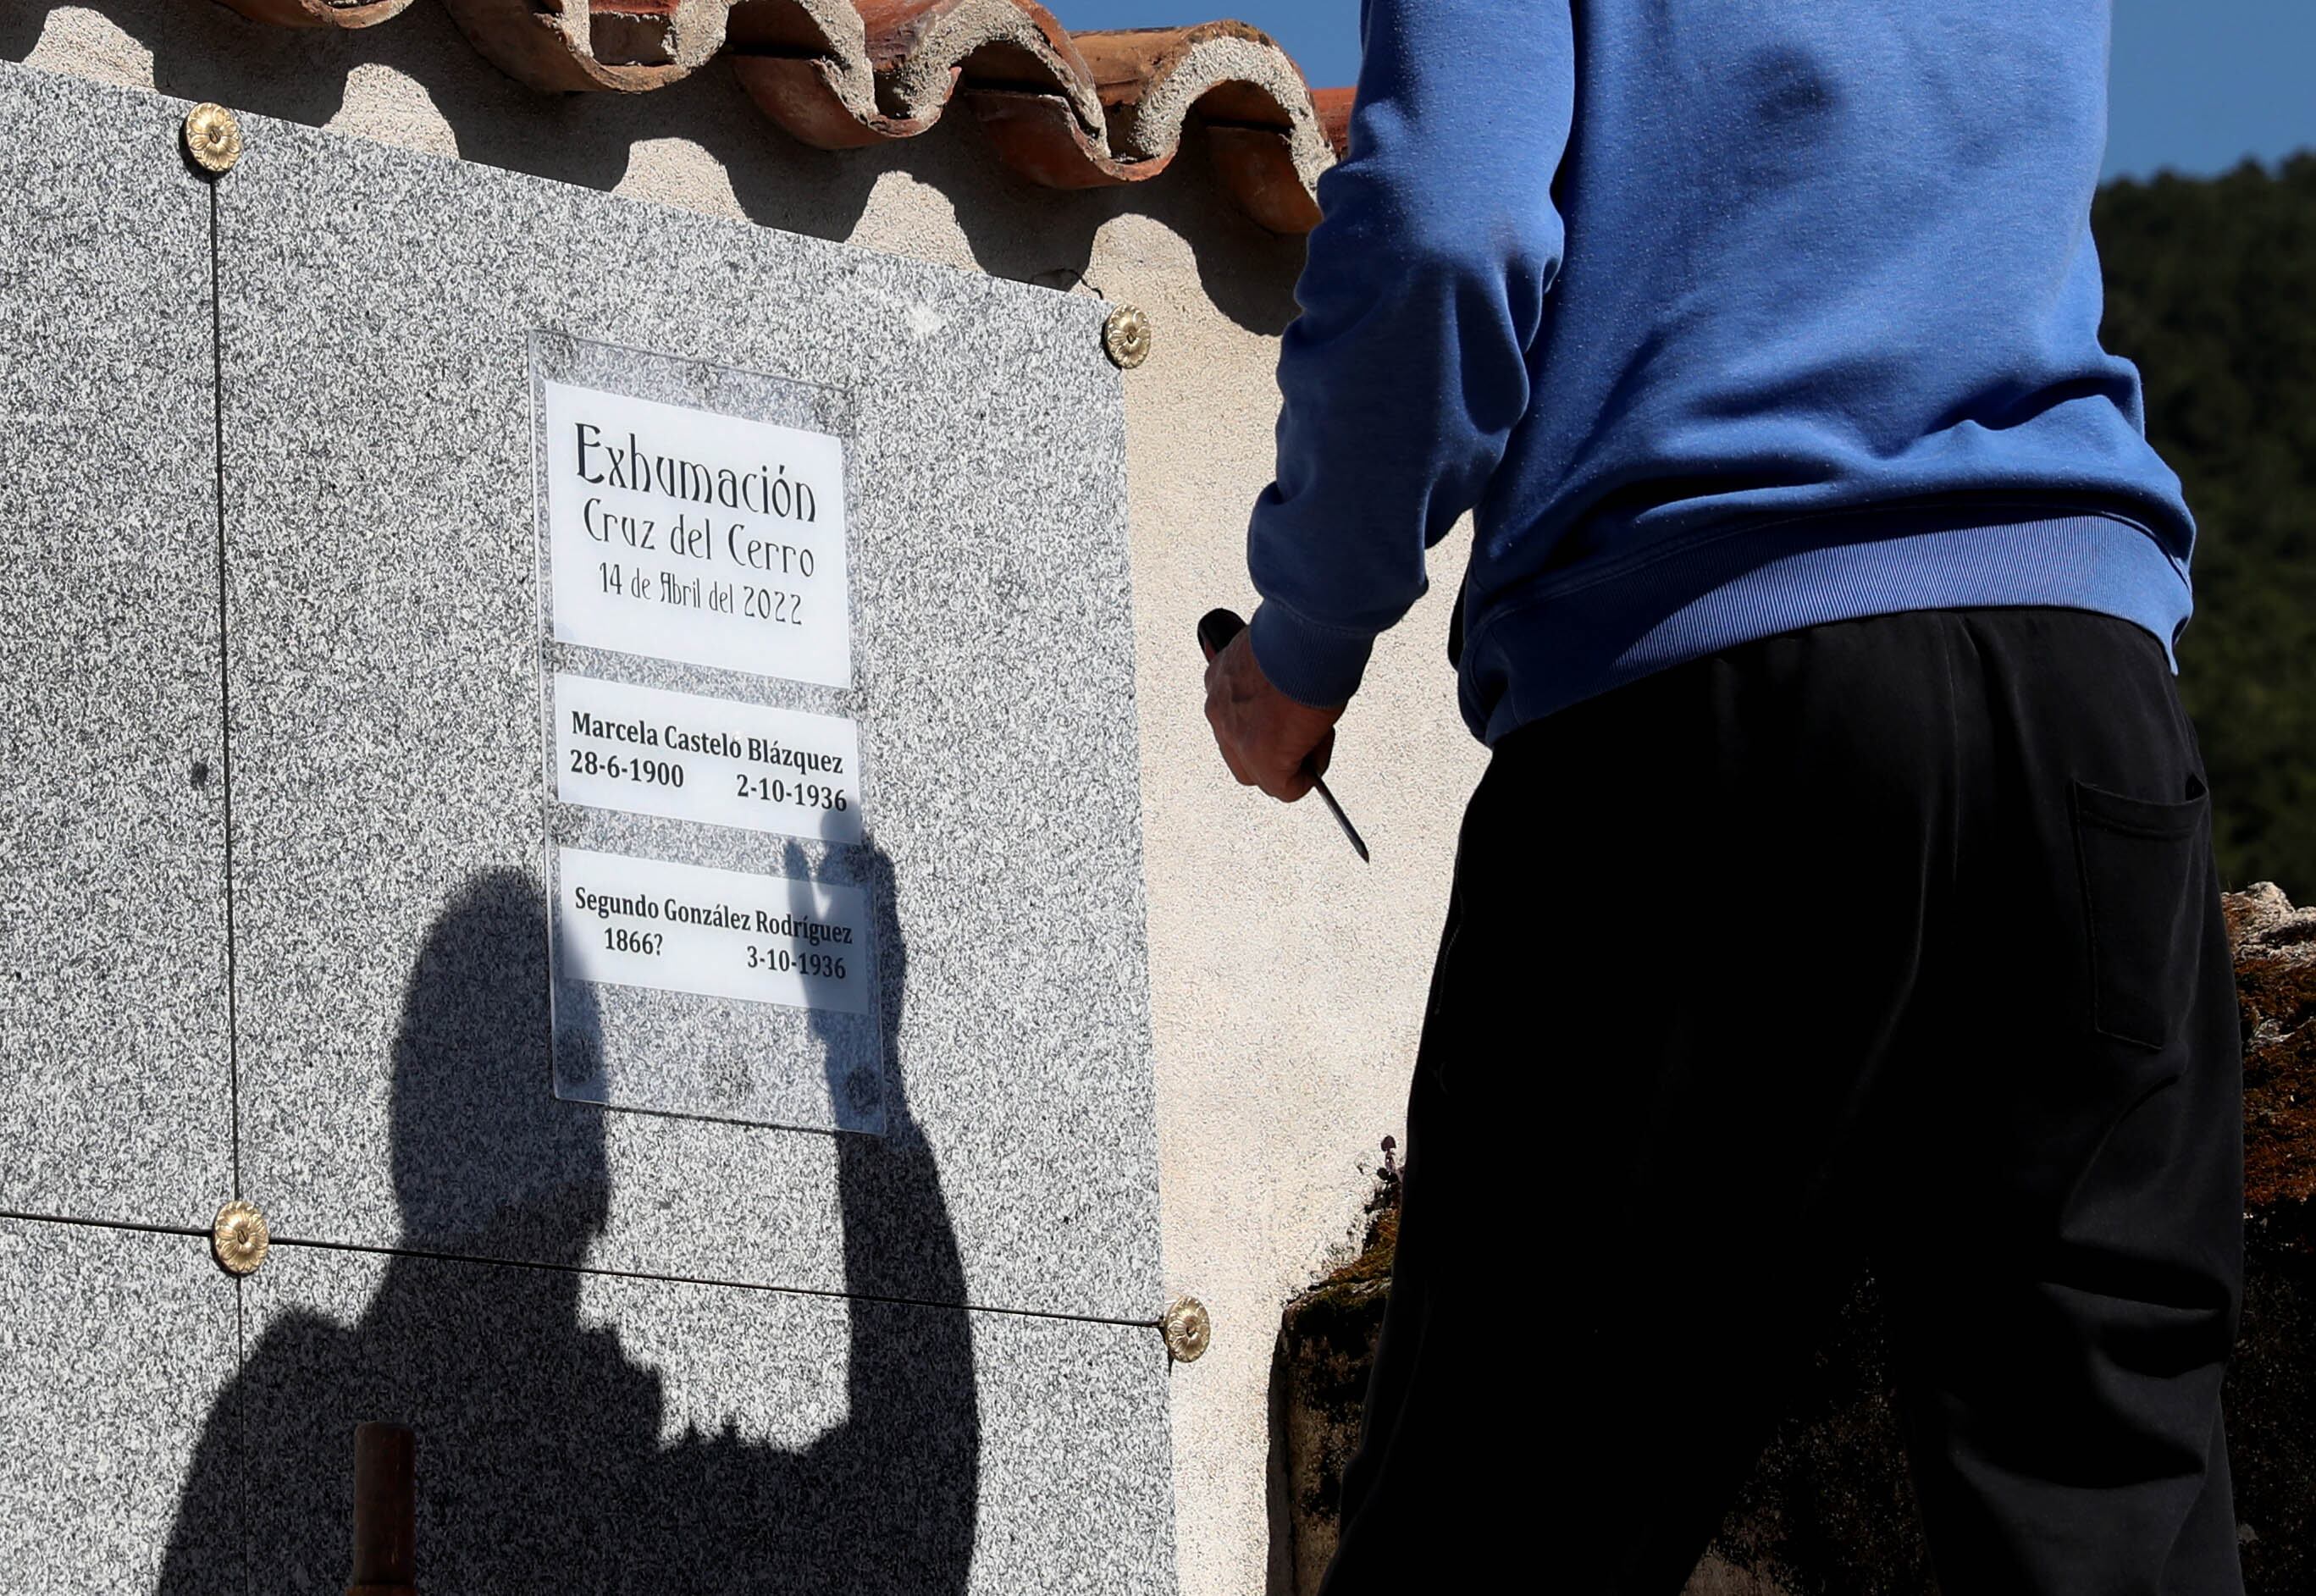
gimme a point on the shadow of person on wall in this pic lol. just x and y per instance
(545, 1461)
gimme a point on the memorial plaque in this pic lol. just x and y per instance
(679, 533)
(719, 761)
(697, 629)
(671, 927)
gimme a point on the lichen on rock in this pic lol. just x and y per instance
(2276, 989)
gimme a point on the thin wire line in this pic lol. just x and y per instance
(487, 1262)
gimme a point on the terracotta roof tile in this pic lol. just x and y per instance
(1071, 110)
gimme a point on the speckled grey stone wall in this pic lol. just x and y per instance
(644, 1350)
(590, 1433)
(115, 1348)
(378, 310)
(114, 1085)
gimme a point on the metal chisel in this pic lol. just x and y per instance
(1217, 627)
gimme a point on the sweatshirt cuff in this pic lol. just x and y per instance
(1313, 665)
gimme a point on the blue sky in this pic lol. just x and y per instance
(2197, 85)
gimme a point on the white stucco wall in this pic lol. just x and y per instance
(1286, 979)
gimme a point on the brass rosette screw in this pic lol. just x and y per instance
(1188, 1329)
(239, 1237)
(212, 138)
(1126, 337)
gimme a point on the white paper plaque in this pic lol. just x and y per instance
(678, 755)
(685, 928)
(686, 535)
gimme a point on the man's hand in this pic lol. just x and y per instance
(1268, 740)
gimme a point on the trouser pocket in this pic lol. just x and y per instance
(2141, 863)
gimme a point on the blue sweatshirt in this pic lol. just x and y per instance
(1724, 319)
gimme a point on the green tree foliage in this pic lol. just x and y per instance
(2212, 291)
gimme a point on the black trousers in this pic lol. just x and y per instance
(1892, 942)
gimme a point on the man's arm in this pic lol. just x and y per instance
(1402, 380)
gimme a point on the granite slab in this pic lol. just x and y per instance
(116, 1348)
(585, 1434)
(115, 1092)
(387, 677)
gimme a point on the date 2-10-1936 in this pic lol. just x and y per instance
(804, 794)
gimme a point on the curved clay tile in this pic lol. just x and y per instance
(626, 45)
(318, 13)
(840, 73)
(1269, 142)
(1069, 110)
